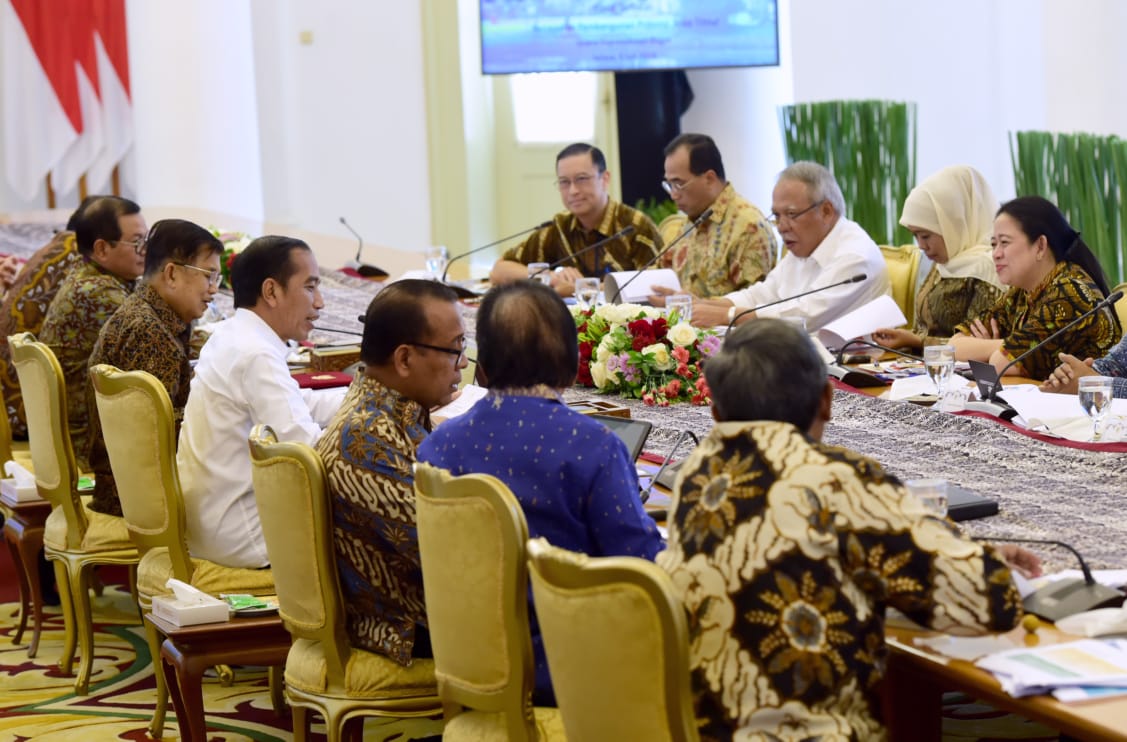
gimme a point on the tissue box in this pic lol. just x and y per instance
(189, 613)
(28, 493)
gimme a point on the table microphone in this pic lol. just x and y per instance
(852, 279)
(367, 271)
(624, 232)
(685, 233)
(466, 254)
(645, 495)
(871, 344)
(1066, 597)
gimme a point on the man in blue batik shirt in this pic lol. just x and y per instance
(573, 476)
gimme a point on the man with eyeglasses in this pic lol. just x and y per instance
(151, 330)
(592, 215)
(735, 247)
(413, 351)
(823, 248)
(110, 237)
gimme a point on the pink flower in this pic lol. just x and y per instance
(680, 354)
(648, 399)
(673, 388)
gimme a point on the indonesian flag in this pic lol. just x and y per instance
(113, 77)
(42, 112)
(75, 18)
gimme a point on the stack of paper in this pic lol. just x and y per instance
(1070, 671)
(1058, 414)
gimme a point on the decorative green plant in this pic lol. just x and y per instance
(654, 209)
(869, 146)
(1086, 176)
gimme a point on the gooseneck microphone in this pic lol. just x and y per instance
(684, 233)
(852, 279)
(624, 232)
(466, 254)
(871, 344)
(1107, 302)
(367, 271)
(1063, 598)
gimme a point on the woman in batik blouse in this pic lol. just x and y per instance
(951, 215)
(1054, 278)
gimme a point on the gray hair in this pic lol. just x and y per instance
(819, 181)
(767, 369)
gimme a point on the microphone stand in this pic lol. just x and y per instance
(668, 458)
(367, 271)
(685, 233)
(1064, 598)
(624, 232)
(466, 254)
(871, 344)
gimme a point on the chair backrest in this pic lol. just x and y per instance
(140, 435)
(45, 404)
(1121, 306)
(903, 263)
(293, 505)
(471, 542)
(617, 641)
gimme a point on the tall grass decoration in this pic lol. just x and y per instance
(1086, 176)
(869, 146)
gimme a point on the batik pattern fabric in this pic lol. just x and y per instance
(369, 452)
(86, 300)
(786, 553)
(1114, 364)
(566, 236)
(24, 309)
(943, 303)
(1025, 318)
(146, 334)
(733, 248)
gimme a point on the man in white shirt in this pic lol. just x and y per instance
(241, 380)
(823, 248)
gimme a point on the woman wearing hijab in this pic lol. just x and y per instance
(951, 215)
(1054, 278)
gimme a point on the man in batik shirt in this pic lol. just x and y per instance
(413, 350)
(150, 331)
(786, 553)
(110, 236)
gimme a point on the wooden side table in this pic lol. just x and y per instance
(23, 530)
(189, 650)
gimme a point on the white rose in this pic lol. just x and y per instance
(660, 352)
(599, 375)
(682, 334)
(604, 350)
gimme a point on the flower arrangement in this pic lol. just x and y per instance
(233, 242)
(635, 351)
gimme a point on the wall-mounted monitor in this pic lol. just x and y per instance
(625, 35)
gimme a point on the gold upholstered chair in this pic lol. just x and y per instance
(10, 450)
(472, 534)
(903, 263)
(75, 537)
(323, 671)
(617, 641)
(1121, 306)
(138, 428)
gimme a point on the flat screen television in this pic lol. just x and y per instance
(625, 35)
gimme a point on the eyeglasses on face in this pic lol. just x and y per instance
(676, 186)
(213, 276)
(791, 216)
(139, 244)
(459, 352)
(579, 181)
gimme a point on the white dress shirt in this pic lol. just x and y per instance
(846, 251)
(241, 380)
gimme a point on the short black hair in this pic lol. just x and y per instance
(177, 241)
(767, 369)
(582, 148)
(72, 222)
(96, 219)
(704, 155)
(526, 337)
(270, 256)
(397, 316)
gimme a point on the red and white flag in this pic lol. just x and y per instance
(113, 76)
(75, 18)
(42, 112)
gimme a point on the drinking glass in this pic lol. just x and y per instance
(539, 272)
(939, 360)
(932, 492)
(587, 292)
(682, 304)
(1095, 397)
(436, 258)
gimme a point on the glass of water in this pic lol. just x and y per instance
(436, 259)
(539, 272)
(587, 292)
(1095, 397)
(932, 492)
(682, 304)
(939, 360)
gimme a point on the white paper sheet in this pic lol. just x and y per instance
(470, 395)
(640, 288)
(882, 311)
(1058, 414)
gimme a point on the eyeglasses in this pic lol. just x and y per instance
(138, 244)
(791, 216)
(459, 352)
(676, 186)
(213, 277)
(579, 181)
